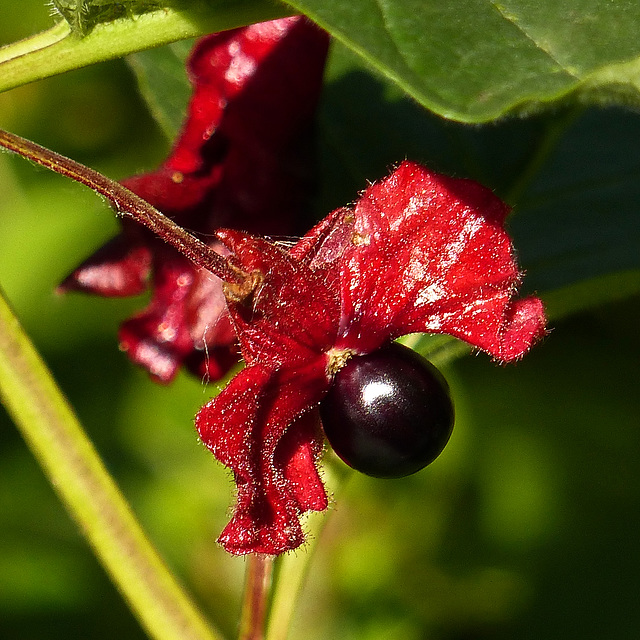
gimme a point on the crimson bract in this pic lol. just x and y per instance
(418, 252)
(241, 161)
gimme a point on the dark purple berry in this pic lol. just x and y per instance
(388, 413)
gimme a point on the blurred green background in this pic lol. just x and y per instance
(526, 527)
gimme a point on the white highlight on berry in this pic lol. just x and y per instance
(377, 390)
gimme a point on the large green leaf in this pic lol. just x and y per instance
(580, 218)
(573, 178)
(475, 60)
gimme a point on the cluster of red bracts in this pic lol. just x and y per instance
(418, 252)
(242, 160)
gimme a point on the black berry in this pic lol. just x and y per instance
(388, 413)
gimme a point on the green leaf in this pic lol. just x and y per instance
(163, 83)
(580, 217)
(476, 60)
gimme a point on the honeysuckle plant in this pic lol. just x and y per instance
(422, 250)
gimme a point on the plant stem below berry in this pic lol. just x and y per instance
(291, 569)
(257, 591)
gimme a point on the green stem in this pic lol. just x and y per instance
(58, 50)
(291, 573)
(292, 568)
(33, 43)
(539, 157)
(75, 470)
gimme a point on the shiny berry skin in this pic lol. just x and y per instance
(388, 413)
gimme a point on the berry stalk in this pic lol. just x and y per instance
(127, 203)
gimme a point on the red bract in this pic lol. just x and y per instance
(417, 252)
(241, 161)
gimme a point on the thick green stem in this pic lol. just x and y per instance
(58, 50)
(34, 43)
(75, 470)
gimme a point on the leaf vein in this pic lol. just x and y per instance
(546, 50)
(404, 57)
